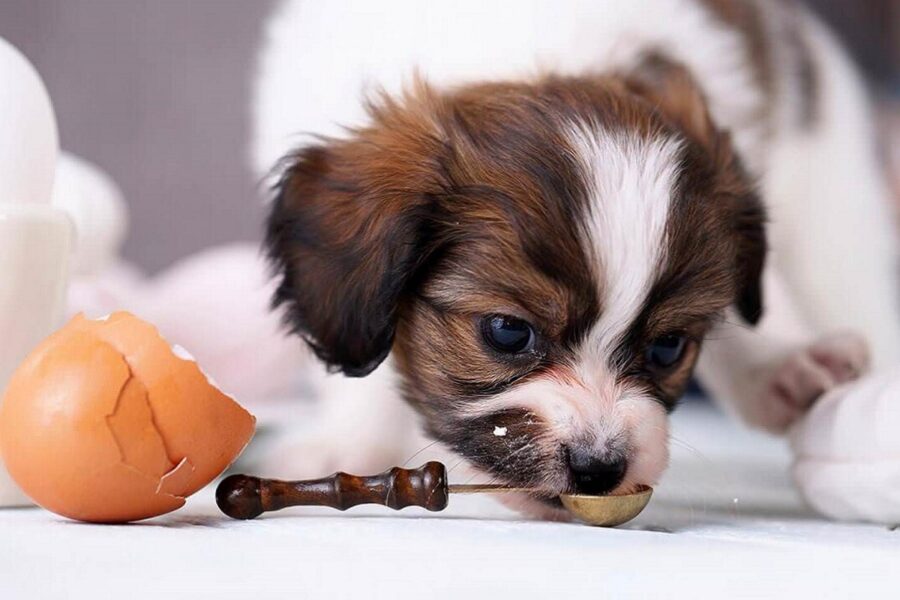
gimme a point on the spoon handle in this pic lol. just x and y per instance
(245, 497)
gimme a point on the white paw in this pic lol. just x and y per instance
(361, 426)
(800, 379)
(320, 455)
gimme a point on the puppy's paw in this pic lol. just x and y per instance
(807, 374)
(320, 455)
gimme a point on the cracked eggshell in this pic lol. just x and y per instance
(103, 422)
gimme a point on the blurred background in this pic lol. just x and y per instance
(157, 93)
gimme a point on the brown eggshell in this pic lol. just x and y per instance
(103, 422)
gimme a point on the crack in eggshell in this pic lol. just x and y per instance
(176, 481)
(141, 443)
(112, 416)
(158, 482)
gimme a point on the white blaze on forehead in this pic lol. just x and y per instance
(630, 181)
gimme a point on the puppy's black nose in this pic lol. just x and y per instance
(594, 475)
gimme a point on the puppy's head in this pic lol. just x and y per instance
(543, 259)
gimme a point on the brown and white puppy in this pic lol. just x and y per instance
(543, 256)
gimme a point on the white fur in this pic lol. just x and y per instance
(833, 264)
(630, 182)
(322, 56)
(833, 258)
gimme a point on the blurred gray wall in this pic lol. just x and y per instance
(871, 28)
(156, 92)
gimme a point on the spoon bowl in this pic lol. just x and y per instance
(607, 511)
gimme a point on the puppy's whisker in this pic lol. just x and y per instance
(503, 462)
(456, 464)
(693, 450)
(420, 451)
(689, 448)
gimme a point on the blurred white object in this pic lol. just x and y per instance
(95, 204)
(35, 237)
(847, 451)
(102, 282)
(28, 139)
(215, 303)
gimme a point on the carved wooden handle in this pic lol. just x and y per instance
(245, 497)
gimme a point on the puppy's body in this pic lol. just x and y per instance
(675, 108)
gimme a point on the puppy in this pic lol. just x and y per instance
(549, 212)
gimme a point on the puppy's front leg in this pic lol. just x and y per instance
(770, 375)
(363, 426)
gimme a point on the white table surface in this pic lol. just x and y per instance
(723, 523)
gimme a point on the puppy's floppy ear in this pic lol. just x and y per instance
(669, 87)
(348, 231)
(752, 248)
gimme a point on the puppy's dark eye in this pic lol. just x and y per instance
(665, 351)
(507, 334)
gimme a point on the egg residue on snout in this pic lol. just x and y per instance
(103, 422)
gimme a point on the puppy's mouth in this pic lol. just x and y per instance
(516, 449)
